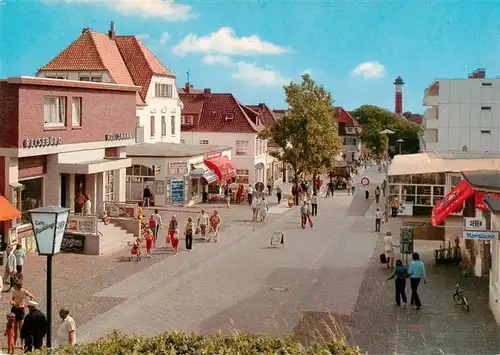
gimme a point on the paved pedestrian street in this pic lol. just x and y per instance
(322, 274)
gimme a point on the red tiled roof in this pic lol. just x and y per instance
(266, 114)
(213, 108)
(141, 63)
(414, 117)
(342, 116)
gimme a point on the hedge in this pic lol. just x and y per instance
(178, 343)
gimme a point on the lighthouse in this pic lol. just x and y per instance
(398, 85)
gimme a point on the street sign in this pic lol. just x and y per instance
(278, 238)
(365, 181)
(406, 240)
(259, 186)
(475, 223)
(480, 235)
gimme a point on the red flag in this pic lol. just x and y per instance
(451, 202)
(480, 195)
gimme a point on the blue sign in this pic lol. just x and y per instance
(177, 190)
(480, 235)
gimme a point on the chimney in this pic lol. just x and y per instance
(262, 106)
(481, 73)
(187, 88)
(207, 92)
(474, 74)
(111, 33)
(85, 29)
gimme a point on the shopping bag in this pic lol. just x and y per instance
(383, 259)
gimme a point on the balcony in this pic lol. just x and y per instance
(431, 95)
(431, 117)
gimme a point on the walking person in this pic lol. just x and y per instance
(250, 194)
(10, 332)
(279, 194)
(353, 187)
(305, 214)
(150, 241)
(255, 209)
(153, 224)
(146, 194)
(10, 267)
(20, 297)
(173, 233)
(66, 333)
(87, 206)
(389, 249)
(349, 186)
(34, 328)
(314, 204)
(383, 187)
(227, 196)
(159, 224)
(394, 206)
(416, 272)
(400, 273)
(377, 194)
(202, 223)
(263, 208)
(188, 233)
(214, 226)
(269, 186)
(378, 220)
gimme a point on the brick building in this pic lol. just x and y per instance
(59, 138)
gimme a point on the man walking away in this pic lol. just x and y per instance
(34, 328)
(378, 220)
(377, 194)
(250, 194)
(417, 273)
(147, 196)
(383, 187)
(279, 194)
(314, 204)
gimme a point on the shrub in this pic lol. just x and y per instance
(178, 343)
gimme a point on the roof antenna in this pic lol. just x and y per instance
(188, 74)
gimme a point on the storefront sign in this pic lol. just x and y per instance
(212, 155)
(177, 190)
(118, 136)
(178, 168)
(480, 235)
(41, 142)
(82, 224)
(475, 223)
(121, 210)
(73, 243)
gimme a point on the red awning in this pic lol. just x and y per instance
(452, 202)
(222, 167)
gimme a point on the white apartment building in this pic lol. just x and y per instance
(463, 115)
(108, 58)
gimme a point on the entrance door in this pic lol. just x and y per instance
(79, 190)
(64, 190)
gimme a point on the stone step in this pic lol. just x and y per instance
(113, 238)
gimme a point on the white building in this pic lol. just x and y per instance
(109, 58)
(463, 114)
(349, 131)
(220, 119)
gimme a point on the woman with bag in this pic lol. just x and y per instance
(400, 273)
(173, 233)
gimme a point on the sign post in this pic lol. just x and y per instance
(278, 238)
(406, 242)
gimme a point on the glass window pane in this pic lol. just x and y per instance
(31, 196)
(424, 190)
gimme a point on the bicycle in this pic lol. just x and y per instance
(460, 299)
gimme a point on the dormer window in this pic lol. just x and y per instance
(229, 116)
(188, 119)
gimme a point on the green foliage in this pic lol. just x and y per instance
(375, 119)
(178, 343)
(307, 137)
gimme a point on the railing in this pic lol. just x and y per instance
(121, 210)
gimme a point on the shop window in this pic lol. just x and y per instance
(76, 111)
(109, 191)
(54, 111)
(136, 185)
(242, 147)
(31, 196)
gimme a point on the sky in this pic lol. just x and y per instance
(253, 48)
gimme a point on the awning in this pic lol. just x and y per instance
(452, 202)
(202, 171)
(96, 166)
(222, 167)
(7, 211)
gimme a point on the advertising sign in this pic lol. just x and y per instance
(475, 223)
(480, 235)
(177, 190)
(44, 228)
(406, 240)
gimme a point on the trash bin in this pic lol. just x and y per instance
(291, 201)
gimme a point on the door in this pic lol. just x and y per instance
(64, 190)
(79, 191)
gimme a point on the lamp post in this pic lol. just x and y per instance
(387, 132)
(400, 144)
(49, 225)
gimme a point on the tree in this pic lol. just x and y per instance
(307, 137)
(375, 119)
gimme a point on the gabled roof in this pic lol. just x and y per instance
(267, 115)
(141, 63)
(342, 116)
(212, 109)
(414, 117)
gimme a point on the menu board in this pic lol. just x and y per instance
(73, 243)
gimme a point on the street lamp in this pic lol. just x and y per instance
(387, 132)
(400, 144)
(49, 225)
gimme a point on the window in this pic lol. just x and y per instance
(163, 90)
(96, 79)
(485, 131)
(229, 116)
(109, 190)
(203, 141)
(486, 83)
(55, 77)
(350, 141)
(85, 78)
(54, 111)
(172, 125)
(152, 126)
(76, 111)
(242, 147)
(485, 107)
(187, 119)
(138, 178)
(31, 196)
(163, 126)
(242, 176)
(242, 172)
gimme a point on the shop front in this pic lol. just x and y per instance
(225, 172)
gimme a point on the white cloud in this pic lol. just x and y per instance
(144, 36)
(164, 37)
(369, 70)
(166, 10)
(225, 41)
(217, 59)
(257, 76)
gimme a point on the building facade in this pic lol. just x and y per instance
(349, 131)
(463, 114)
(108, 58)
(63, 138)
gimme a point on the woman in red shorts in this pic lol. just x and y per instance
(173, 233)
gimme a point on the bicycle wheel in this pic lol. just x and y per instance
(465, 303)
(457, 298)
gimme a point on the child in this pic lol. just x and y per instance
(105, 218)
(149, 242)
(10, 330)
(136, 249)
